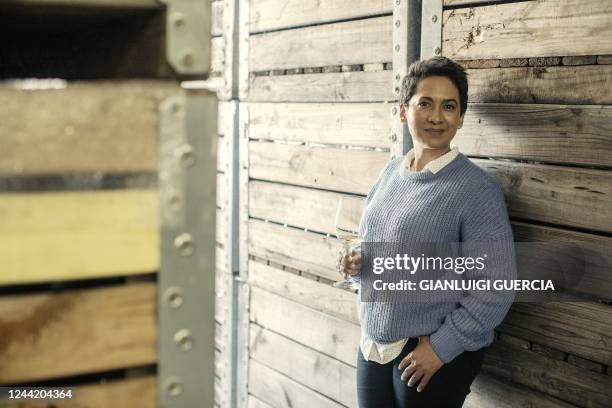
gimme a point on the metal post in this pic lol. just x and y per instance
(406, 48)
(431, 29)
(187, 185)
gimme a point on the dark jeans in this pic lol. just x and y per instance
(379, 385)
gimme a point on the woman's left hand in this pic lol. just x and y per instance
(420, 364)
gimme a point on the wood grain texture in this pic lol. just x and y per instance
(86, 127)
(217, 55)
(352, 42)
(321, 167)
(323, 374)
(552, 133)
(280, 391)
(308, 252)
(77, 235)
(254, 402)
(216, 19)
(354, 124)
(579, 85)
(317, 295)
(556, 378)
(488, 391)
(544, 27)
(334, 87)
(327, 334)
(77, 332)
(275, 14)
(125, 393)
(564, 196)
(583, 329)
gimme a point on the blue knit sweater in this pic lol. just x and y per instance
(460, 203)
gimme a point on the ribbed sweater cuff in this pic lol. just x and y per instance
(445, 344)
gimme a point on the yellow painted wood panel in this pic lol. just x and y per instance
(75, 235)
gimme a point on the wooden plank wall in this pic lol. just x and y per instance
(319, 102)
(79, 233)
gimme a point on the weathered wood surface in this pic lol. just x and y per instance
(320, 296)
(322, 167)
(275, 14)
(144, 4)
(583, 329)
(553, 133)
(217, 55)
(58, 335)
(474, 2)
(559, 195)
(354, 124)
(86, 127)
(334, 87)
(488, 391)
(323, 374)
(545, 28)
(280, 391)
(216, 20)
(574, 85)
(308, 252)
(76, 235)
(578, 85)
(556, 378)
(346, 43)
(254, 402)
(125, 393)
(327, 334)
(570, 134)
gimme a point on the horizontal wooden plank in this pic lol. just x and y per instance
(275, 14)
(560, 195)
(320, 296)
(565, 196)
(553, 133)
(306, 251)
(77, 332)
(86, 127)
(575, 85)
(354, 124)
(494, 31)
(487, 391)
(304, 365)
(75, 235)
(323, 167)
(124, 393)
(283, 392)
(583, 329)
(216, 18)
(353, 42)
(556, 378)
(357, 86)
(329, 335)
(449, 3)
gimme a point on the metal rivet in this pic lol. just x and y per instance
(397, 23)
(176, 108)
(397, 77)
(184, 243)
(394, 137)
(394, 110)
(187, 57)
(174, 201)
(186, 155)
(173, 386)
(174, 297)
(397, 48)
(438, 51)
(398, 2)
(434, 18)
(184, 339)
(392, 156)
(178, 19)
(397, 90)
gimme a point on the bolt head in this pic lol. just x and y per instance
(394, 137)
(438, 51)
(173, 387)
(397, 23)
(394, 110)
(434, 18)
(184, 243)
(397, 48)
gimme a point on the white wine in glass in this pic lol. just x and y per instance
(350, 240)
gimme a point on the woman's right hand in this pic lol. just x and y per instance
(348, 262)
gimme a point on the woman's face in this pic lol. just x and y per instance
(434, 113)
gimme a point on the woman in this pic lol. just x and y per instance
(426, 354)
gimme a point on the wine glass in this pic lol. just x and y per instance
(349, 237)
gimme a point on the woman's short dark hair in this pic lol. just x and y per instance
(436, 66)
